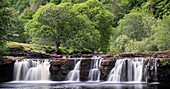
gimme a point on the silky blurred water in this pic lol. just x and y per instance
(81, 85)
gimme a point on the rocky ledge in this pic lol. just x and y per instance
(61, 65)
(20, 52)
(159, 54)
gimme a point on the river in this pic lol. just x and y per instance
(81, 85)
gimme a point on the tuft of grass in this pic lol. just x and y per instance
(117, 55)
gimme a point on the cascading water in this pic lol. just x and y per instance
(74, 75)
(94, 73)
(147, 68)
(155, 70)
(146, 71)
(127, 70)
(31, 70)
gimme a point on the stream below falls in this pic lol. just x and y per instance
(81, 85)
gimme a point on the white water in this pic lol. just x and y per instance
(146, 71)
(155, 68)
(74, 75)
(31, 70)
(94, 73)
(127, 70)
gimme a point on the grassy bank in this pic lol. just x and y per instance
(42, 48)
(31, 47)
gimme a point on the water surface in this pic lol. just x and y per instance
(82, 85)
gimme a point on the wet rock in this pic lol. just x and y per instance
(108, 55)
(163, 70)
(63, 68)
(60, 67)
(6, 68)
(70, 63)
(87, 55)
(106, 67)
(105, 70)
(85, 66)
(108, 62)
(55, 68)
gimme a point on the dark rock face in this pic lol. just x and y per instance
(106, 67)
(85, 66)
(6, 70)
(163, 71)
(60, 67)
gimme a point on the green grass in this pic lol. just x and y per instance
(42, 48)
(32, 47)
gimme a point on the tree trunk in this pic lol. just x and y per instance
(57, 45)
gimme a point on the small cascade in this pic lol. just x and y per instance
(146, 70)
(74, 75)
(31, 70)
(150, 70)
(94, 73)
(155, 70)
(127, 70)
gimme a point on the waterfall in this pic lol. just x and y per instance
(94, 73)
(31, 70)
(74, 75)
(155, 70)
(127, 70)
(146, 70)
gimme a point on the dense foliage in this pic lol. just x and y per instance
(101, 18)
(139, 31)
(96, 25)
(5, 23)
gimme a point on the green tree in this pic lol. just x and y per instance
(74, 1)
(5, 22)
(101, 18)
(16, 30)
(56, 1)
(135, 25)
(159, 8)
(35, 4)
(162, 33)
(120, 43)
(21, 5)
(60, 24)
(135, 33)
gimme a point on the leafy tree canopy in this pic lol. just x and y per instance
(101, 18)
(5, 23)
(61, 24)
